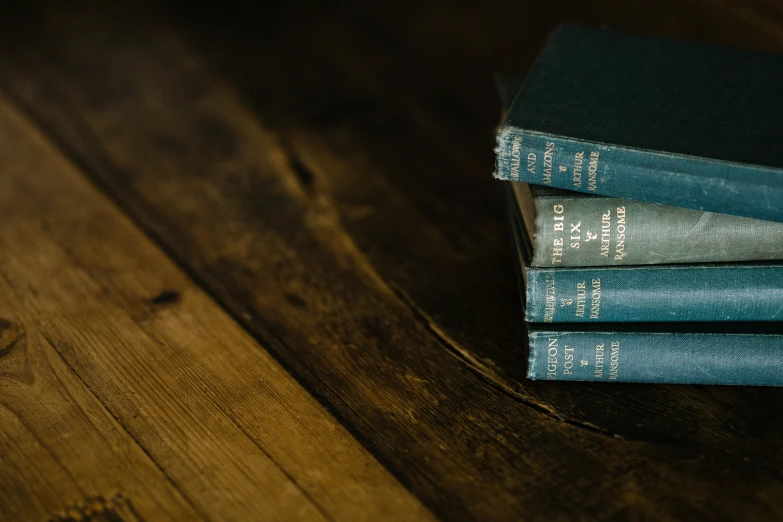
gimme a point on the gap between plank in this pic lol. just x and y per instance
(93, 169)
(171, 481)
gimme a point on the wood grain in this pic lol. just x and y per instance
(324, 174)
(63, 454)
(128, 394)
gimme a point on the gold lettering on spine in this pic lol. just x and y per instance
(557, 251)
(606, 232)
(516, 157)
(581, 298)
(557, 243)
(592, 171)
(598, 371)
(568, 360)
(576, 235)
(549, 306)
(614, 360)
(531, 163)
(551, 359)
(595, 299)
(619, 248)
(579, 158)
(559, 218)
(549, 152)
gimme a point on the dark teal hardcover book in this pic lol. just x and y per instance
(649, 119)
(568, 228)
(753, 357)
(654, 293)
(679, 353)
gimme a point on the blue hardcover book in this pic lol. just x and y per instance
(569, 229)
(650, 119)
(653, 293)
(753, 356)
(682, 353)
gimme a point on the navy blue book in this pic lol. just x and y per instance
(649, 119)
(739, 353)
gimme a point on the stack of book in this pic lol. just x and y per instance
(645, 189)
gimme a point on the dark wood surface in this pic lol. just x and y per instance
(322, 174)
(127, 393)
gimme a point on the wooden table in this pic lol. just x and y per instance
(253, 266)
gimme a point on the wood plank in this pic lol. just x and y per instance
(345, 216)
(62, 453)
(131, 392)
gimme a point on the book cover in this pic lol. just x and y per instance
(573, 229)
(654, 293)
(592, 230)
(678, 353)
(750, 356)
(649, 119)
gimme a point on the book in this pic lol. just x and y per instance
(681, 353)
(707, 292)
(593, 230)
(712, 356)
(649, 119)
(653, 293)
(575, 229)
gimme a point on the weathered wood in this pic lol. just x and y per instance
(127, 393)
(325, 175)
(418, 183)
(421, 180)
(62, 451)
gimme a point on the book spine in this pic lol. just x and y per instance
(602, 231)
(655, 294)
(683, 358)
(658, 177)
